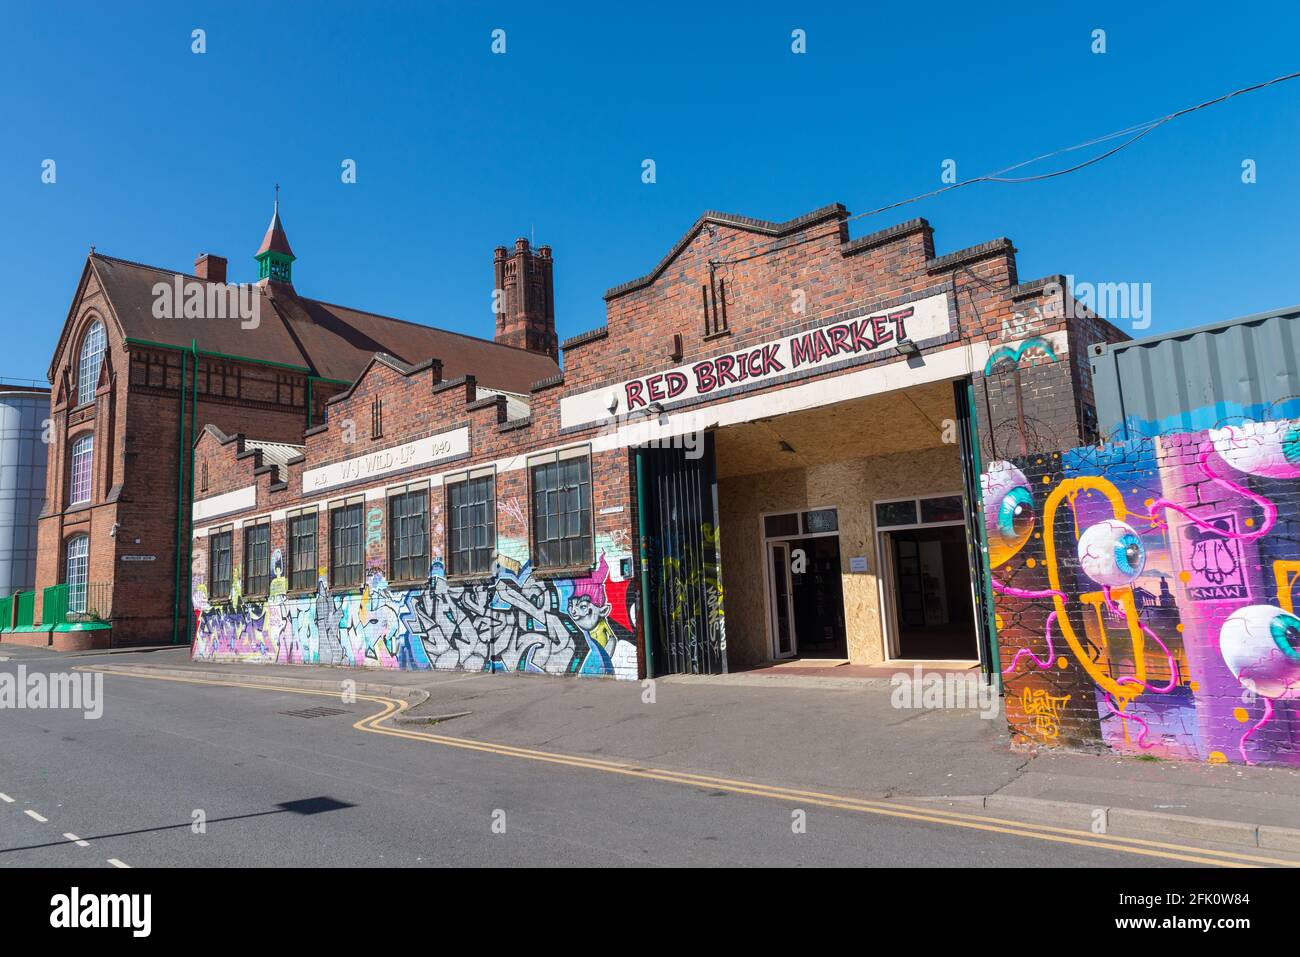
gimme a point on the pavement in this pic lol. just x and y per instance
(837, 738)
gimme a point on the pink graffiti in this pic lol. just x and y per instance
(1265, 505)
(1014, 592)
(1268, 716)
(1173, 665)
(1141, 738)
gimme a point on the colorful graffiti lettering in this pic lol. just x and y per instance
(1149, 583)
(1013, 354)
(1045, 709)
(516, 619)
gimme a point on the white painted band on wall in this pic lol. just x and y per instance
(426, 451)
(237, 501)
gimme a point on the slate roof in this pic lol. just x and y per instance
(330, 341)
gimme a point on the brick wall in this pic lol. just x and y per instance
(134, 419)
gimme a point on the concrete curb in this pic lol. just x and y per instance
(742, 680)
(428, 718)
(413, 695)
(1125, 822)
(126, 650)
(54, 654)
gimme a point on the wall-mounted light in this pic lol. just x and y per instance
(906, 347)
(786, 446)
(655, 408)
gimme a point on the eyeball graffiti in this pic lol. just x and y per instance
(1270, 449)
(1261, 647)
(1008, 510)
(1111, 553)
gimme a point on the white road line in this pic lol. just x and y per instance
(36, 817)
(6, 798)
(116, 863)
(76, 840)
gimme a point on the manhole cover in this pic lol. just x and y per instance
(314, 712)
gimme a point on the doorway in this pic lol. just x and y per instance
(926, 582)
(805, 590)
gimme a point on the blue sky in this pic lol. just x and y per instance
(163, 153)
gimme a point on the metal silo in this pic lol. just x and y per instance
(23, 411)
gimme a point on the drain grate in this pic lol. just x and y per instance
(315, 712)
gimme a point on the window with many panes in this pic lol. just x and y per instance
(561, 493)
(471, 524)
(408, 533)
(89, 362)
(220, 564)
(83, 457)
(76, 572)
(302, 551)
(345, 545)
(257, 558)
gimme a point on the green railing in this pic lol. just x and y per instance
(25, 609)
(94, 603)
(73, 604)
(87, 604)
(54, 605)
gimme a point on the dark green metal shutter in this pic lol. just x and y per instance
(680, 528)
(976, 547)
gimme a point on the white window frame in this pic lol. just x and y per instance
(78, 585)
(453, 479)
(79, 492)
(89, 363)
(555, 457)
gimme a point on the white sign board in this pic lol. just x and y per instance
(425, 451)
(239, 500)
(804, 352)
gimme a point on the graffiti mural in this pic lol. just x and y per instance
(516, 619)
(1144, 593)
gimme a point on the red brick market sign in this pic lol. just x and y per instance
(803, 353)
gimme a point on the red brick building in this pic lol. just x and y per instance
(148, 357)
(771, 449)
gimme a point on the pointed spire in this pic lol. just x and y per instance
(275, 257)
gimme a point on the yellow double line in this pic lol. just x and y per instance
(375, 724)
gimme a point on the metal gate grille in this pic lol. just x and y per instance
(682, 554)
(977, 548)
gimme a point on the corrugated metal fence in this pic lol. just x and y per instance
(1199, 378)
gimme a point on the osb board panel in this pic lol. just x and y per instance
(850, 485)
(871, 426)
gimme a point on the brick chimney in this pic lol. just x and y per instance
(210, 267)
(527, 302)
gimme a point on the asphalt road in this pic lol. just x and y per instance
(281, 789)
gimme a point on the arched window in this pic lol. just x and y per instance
(75, 572)
(83, 457)
(92, 357)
